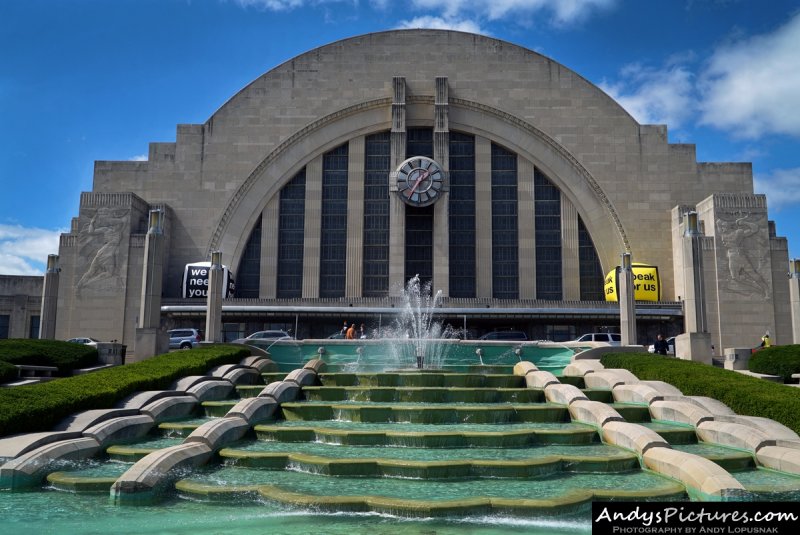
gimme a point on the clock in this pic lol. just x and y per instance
(419, 181)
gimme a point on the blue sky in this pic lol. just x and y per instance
(86, 80)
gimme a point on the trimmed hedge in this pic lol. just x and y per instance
(744, 395)
(66, 356)
(778, 360)
(8, 372)
(41, 406)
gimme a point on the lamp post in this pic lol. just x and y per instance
(214, 299)
(627, 302)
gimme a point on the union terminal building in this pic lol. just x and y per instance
(505, 179)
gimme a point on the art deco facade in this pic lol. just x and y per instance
(525, 184)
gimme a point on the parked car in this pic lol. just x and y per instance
(670, 346)
(184, 338)
(613, 339)
(84, 340)
(504, 335)
(264, 336)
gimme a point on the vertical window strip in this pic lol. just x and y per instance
(462, 215)
(419, 221)
(547, 222)
(248, 276)
(375, 279)
(333, 231)
(505, 234)
(591, 273)
(291, 236)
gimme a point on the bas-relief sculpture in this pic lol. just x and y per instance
(746, 253)
(99, 246)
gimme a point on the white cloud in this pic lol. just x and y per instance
(654, 96)
(562, 11)
(438, 23)
(23, 251)
(752, 86)
(138, 158)
(782, 187)
(272, 5)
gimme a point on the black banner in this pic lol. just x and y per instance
(695, 518)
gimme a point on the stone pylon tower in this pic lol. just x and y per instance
(794, 298)
(47, 325)
(151, 339)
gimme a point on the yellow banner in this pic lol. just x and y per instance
(646, 284)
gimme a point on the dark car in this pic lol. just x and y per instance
(505, 335)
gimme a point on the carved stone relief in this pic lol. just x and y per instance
(744, 253)
(99, 243)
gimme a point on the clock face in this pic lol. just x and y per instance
(419, 181)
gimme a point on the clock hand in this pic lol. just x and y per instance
(422, 177)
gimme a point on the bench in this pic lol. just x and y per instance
(27, 370)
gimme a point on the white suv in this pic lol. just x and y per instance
(184, 338)
(613, 339)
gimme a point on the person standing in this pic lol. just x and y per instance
(362, 332)
(351, 332)
(765, 342)
(660, 347)
(344, 330)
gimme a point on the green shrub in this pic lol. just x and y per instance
(65, 356)
(8, 372)
(778, 360)
(41, 406)
(744, 395)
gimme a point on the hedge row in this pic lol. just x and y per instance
(778, 360)
(744, 395)
(8, 372)
(41, 406)
(66, 356)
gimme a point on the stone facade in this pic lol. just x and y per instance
(621, 178)
(20, 306)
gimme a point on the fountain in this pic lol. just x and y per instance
(415, 322)
(458, 435)
(398, 451)
(415, 340)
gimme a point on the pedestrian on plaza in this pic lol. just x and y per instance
(362, 332)
(765, 342)
(351, 332)
(344, 330)
(660, 347)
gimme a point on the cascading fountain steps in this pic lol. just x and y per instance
(428, 443)
(83, 435)
(382, 441)
(713, 423)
